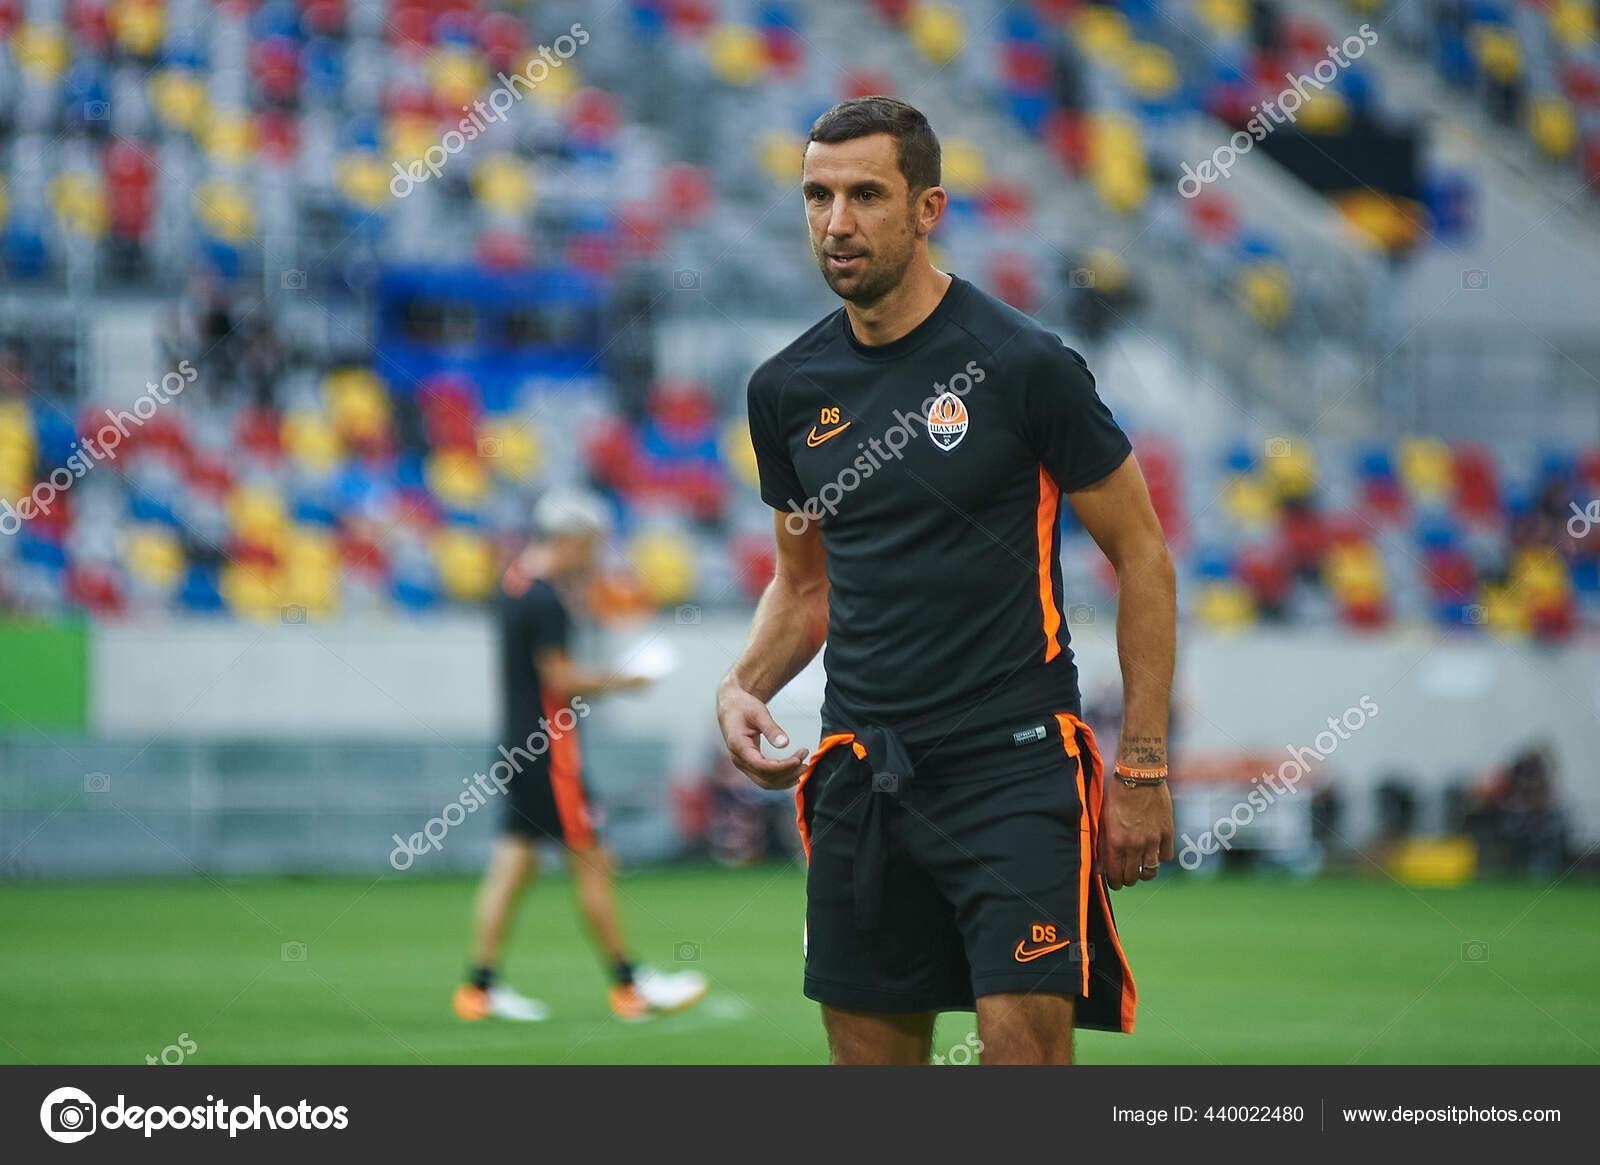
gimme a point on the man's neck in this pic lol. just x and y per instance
(902, 309)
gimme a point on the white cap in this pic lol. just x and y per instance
(570, 511)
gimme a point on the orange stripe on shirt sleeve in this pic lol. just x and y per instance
(1049, 505)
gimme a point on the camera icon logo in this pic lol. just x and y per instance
(686, 280)
(1475, 951)
(97, 782)
(1081, 277)
(686, 952)
(294, 280)
(1474, 615)
(1277, 446)
(68, 1115)
(292, 952)
(294, 613)
(885, 782)
(1474, 279)
(1080, 613)
(97, 111)
(491, 447)
(687, 615)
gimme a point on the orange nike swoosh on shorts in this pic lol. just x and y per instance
(813, 440)
(1028, 956)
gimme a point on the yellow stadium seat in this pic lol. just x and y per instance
(1226, 18)
(1552, 126)
(458, 478)
(311, 571)
(1247, 500)
(1427, 469)
(737, 452)
(511, 449)
(736, 53)
(964, 170)
(79, 200)
(1226, 606)
(154, 557)
(310, 441)
(1324, 113)
(1150, 71)
(1290, 467)
(1101, 33)
(503, 184)
(456, 76)
(1118, 172)
(225, 209)
(1540, 576)
(407, 136)
(40, 50)
(558, 86)
(466, 564)
(230, 138)
(1573, 22)
(937, 30)
(1123, 185)
(1354, 572)
(179, 99)
(1506, 611)
(779, 154)
(364, 180)
(1380, 221)
(253, 591)
(1498, 53)
(357, 403)
(137, 25)
(1263, 290)
(256, 514)
(1109, 268)
(664, 563)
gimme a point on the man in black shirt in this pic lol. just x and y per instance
(915, 446)
(540, 769)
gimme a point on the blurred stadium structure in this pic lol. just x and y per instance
(247, 631)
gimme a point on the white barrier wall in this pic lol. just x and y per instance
(1448, 707)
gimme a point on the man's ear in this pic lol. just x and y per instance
(931, 205)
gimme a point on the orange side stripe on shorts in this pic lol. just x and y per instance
(1130, 994)
(566, 785)
(1049, 503)
(1069, 741)
(823, 746)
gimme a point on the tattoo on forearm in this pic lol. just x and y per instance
(1145, 750)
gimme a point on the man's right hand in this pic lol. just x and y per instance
(744, 720)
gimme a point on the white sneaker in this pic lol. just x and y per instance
(669, 993)
(505, 1003)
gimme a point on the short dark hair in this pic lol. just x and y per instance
(862, 117)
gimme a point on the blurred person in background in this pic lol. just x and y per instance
(1515, 818)
(544, 692)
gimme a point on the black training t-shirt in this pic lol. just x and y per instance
(935, 465)
(532, 619)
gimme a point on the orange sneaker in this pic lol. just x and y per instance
(470, 1002)
(627, 1003)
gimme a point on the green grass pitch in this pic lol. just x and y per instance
(1231, 970)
